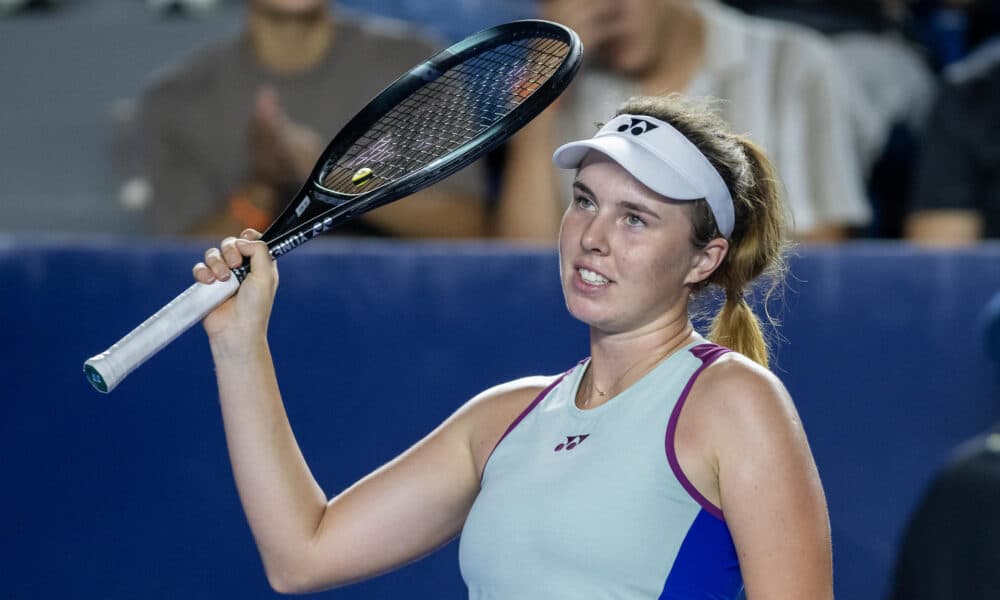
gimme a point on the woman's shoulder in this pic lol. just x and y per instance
(740, 393)
(501, 400)
(519, 386)
(490, 413)
(733, 368)
(741, 413)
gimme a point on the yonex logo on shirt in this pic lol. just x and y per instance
(572, 441)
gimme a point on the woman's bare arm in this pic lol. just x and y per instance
(396, 514)
(769, 486)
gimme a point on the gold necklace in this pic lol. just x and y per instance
(616, 382)
(603, 394)
(590, 372)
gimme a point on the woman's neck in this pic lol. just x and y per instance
(286, 43)
(619, 360)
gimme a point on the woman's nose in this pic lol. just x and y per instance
(595, 234)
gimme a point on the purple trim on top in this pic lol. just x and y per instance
(708, 354)
(520, 417)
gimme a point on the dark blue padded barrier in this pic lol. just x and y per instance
(130, 495)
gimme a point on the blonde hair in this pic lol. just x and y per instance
(759, 241)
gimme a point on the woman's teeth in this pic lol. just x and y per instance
(592, 277)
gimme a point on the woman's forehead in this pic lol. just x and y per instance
(602, 175)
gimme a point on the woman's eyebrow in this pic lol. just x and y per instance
(639, 208)
(582, 187)
(579, 185)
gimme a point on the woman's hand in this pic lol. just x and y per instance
(243, 318)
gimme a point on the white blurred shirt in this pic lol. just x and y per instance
(783, 85)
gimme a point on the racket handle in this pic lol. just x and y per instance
(106, 370)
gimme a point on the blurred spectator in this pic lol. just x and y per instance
(883, 51)
(946, 29)
(781, 83)
(984, 23)
(951, 547)
(828, 16)
(942, 26)
(957, 195)
(899, 88)
(231, 134)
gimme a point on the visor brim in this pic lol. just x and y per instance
(642, 164)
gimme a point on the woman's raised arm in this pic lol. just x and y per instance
(398, 513)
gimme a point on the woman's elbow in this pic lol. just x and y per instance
(291, 581)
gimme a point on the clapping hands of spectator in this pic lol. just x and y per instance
(282, 151)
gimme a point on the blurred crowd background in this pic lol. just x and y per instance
(199, 117)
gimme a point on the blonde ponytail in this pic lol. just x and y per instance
(757, 248)
(737, 327)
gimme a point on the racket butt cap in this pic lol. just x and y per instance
(95, 378)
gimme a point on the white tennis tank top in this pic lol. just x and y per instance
(592, 504)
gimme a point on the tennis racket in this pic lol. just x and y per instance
(437, 118)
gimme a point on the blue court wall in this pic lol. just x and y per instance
(130, 495)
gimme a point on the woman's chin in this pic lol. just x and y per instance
(595, 319)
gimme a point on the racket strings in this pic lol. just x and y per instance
(446, 113)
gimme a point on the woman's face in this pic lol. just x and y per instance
(625, 254)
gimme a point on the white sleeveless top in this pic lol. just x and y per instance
(592, 504)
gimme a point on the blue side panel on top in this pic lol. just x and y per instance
(706, 568)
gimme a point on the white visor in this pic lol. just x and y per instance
(661, 158)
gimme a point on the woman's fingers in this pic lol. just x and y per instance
(261, 262)
(219, 262)
(202, 273)
(215, 262)
(230, 253)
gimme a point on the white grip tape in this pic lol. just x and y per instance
(106, 370)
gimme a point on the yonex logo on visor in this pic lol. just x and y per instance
(661, 158)
(637, 126)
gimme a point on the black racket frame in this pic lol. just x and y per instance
(316, 209)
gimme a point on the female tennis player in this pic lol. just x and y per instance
(664, 466)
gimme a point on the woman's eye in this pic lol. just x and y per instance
(584, 202)
(634, 220)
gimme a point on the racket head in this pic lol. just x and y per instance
(435, 119)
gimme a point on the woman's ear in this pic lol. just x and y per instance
(706, 260)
